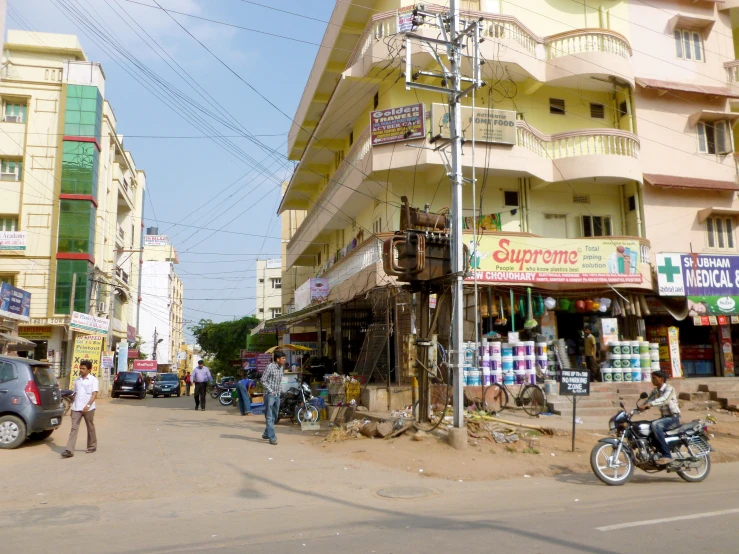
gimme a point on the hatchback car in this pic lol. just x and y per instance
(30, 401)
(129, 383)
(165, 384)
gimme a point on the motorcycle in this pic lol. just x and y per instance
(613, 459)
(294, 404)
(226, 393)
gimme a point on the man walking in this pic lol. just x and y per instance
(201, 377)
(86, 389)
(272, 384)
(188, 382)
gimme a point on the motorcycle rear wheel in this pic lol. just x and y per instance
(694, 474)
(225, 398)
(307, 414)
(613, 476)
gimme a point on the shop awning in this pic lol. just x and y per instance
(675, 182)
(685, 87)
(705, 213)
(13, 340)
(711, 116)
(297, 317)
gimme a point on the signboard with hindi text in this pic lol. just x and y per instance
(521, 259)
(493, 126)
(398, 124)
(86, 347)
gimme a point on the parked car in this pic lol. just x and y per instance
(165, 384)
(129, 383)
(30, 401)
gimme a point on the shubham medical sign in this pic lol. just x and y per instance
(503, 259)
(709, 281)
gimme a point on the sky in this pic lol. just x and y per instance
(229, 186)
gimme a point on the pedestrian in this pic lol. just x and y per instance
(246, 388)
(86, 389)
(201, 377)
(591, 348)
(272, 384)
(188, 382)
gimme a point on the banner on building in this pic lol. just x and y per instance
(502, 259)
(86, 323)
(123, 352)
(398, 124)
(86, 347)
(405, 19)
(493, 126)
(145, 365)
(13, 240)
(15, 303)
(106, 360)
(156, 240)
(130, 333)
(311, 292)
(35, 332)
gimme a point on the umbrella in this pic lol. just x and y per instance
(296, 347)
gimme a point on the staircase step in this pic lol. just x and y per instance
(588, 412)
(584, 402)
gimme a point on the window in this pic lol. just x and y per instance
(7, 372)
(623, 109)
(632, 203)
(261, 310)
(720, 232)
(14, 112)
(596, 226)
(597, 111)
(689, 45)
(276, 283)
(377, 226)
(8, 224)
(261, 281)
(276, 312)
(470, 5)
(351, 138)
(10, 170)
(556, 106)
(510, 198)
(376, 101)
(10, 279)
(715, 138)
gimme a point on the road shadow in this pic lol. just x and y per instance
(248, 439)
(589, 479)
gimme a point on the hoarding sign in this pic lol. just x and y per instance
(501, 259)
(12, 240)
(405, 19)
(130, 333)
(38, 332)
(263, 360)
(86, 347)
(106, 361)
(123, 354)
(133, 353)
(144, 365)
(15, 303)
(710, 282)
(86, 323)
(493, 126)
(398, 124)
(313, 291)
(156, 240)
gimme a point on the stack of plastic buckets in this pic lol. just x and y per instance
(496, 362)
(487, 370)
(519, 362)
(653, 361)
(542, 359)
(529, 359)
(473, 375)
(507, 363)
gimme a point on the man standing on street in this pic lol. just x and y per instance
(591, 349)
(246, 388)
(86, 389)
(201, 377)
(272, 383)
(188, 382)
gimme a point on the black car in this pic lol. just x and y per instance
(30, 401)
(129, 383)
(165, 384)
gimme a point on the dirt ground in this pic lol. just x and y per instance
(533, 455)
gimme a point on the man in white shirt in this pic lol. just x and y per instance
(86, 389)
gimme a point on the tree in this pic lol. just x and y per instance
(224, 341)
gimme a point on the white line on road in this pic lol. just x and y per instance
(665, 520)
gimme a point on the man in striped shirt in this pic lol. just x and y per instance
(665, 398)
(272, 384)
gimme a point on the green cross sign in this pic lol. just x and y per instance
(669, 270)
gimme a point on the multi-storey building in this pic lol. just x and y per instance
(162, 297)
(70, 188)
(269, 289)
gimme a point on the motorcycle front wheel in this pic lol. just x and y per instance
(307, 414)
(611, 471)
(694, 474)
(214, 393)
(225, 398)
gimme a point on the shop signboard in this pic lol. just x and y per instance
(13, 241)
(405, 19)
(398, 124)
(145, 365)
(727, 351)
(133, 353)
(35, 332)
(123, 354)
(156, 240)
(574, 383)
(86, 323)
(313, 291)
(15, 303)
(86, 347)
(130, 333)
(106, 361)
(260, 343)
(493, 126)
(263, 360)
(673, 344)
(503, 259)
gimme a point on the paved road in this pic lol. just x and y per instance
(169, 479)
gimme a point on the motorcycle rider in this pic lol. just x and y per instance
(664, 397)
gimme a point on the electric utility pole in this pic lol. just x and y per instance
(156, 345)
(454, 39)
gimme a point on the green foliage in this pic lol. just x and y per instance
(223, 341)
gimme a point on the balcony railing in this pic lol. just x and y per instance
(498, 27)
(732, 71)
(585, 142)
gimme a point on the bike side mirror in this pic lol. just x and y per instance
(622, 405)
(643, 395)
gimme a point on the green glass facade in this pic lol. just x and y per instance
(65, 272)
(80, 162)
(77, 227)
(83, 116)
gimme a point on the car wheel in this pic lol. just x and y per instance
(155, 395)
(41, 435)
(142, 396)
(12, 432)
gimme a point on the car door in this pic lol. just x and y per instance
(8, 385)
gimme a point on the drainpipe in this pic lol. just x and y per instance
(622, 202)
(630, 109)
(639, 210)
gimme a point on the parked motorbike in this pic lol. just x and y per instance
(67, 400)
(226, 393)
(294, 404)
(613, 459)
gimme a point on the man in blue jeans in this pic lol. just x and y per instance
(665, 398)
(272, 384)
(246, 387)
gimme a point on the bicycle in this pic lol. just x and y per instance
(530, 397)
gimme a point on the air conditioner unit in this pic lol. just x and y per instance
(102, 307)
(12, 119)
(9, 176)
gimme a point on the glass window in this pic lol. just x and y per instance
(65, 272)
(689, 45)
(715, 138)
(711, 236)
(720, 232)
(11, 170)
(8, 223)
(679, 43)
(276, 283)
(686, 46)
(697, 47)
(80, 162)
(84, 112)
(43, 375)
(14, 112)
(10, 279)
(7, 372)
(76, 226)
(729, 233)
(596, 226)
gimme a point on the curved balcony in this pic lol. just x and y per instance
(557, 57)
